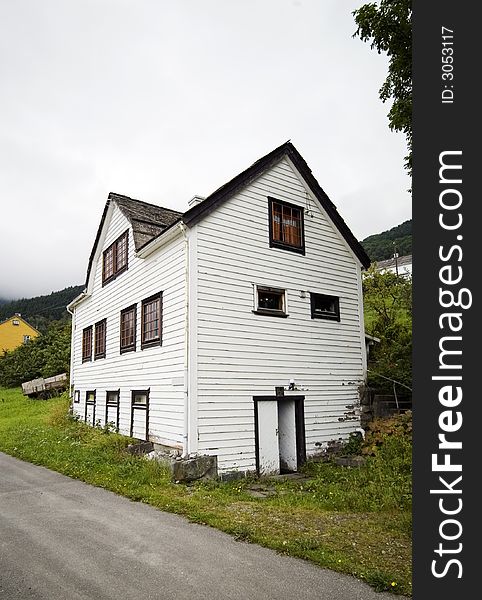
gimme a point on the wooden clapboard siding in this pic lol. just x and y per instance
(153, 368)
(240, 354)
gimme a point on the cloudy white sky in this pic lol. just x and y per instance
(161, 100)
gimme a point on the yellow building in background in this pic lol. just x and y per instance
(14, 332)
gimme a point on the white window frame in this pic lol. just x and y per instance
(257, 287)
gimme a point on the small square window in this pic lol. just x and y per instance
(16, 322)
(90, 397)
(112, 398)
(140, 398)
(325, 307)
(26, 339)
(270, 301)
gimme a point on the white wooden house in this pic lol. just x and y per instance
(234, 329)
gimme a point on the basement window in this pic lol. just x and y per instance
(325, 307)
(140, 398)
(270, 301)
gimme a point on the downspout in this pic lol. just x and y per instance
(71, 375)
(185, 436)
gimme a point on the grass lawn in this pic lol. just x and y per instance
(355, 521)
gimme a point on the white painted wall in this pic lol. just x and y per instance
(239, 354)
(160, 368)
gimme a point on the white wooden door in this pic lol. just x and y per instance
(139, 423)
(268, 445)
(287, 435)
(90, 413)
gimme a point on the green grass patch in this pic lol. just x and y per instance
(352, 520)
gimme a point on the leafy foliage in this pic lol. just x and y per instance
(380, 246)
(388, 316)
(42, 310)
(387, 25)
(44, 356)
(380, 431)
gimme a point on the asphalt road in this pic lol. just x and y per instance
(61, 539)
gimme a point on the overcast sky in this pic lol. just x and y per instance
(161, 100)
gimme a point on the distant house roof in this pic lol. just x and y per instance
(149, 221)
(20, 318)
(392, 263)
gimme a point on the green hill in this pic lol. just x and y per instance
(380, 246)
(41, 310)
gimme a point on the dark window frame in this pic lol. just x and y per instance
(98, 355)
(130, 347)
(76, 396)
(280, 243)
(90, 403)
(114, 247)
(87, 357)
(144, 407)
(270, 311)
(158, 340)
(111, 404)
(327, 316)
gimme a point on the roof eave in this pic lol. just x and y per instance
(199, 211)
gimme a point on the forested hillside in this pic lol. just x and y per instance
(381, 245)
(42, 310)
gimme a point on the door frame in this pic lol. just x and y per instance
(140, 407)
(90, 403)
(299, 426)
(115, 405)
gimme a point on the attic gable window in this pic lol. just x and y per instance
(286, 226)
(87, 344)
(325, 307)
(151, 321)
(115, 258)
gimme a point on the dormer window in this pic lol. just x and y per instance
(286, 226)
(115, 258)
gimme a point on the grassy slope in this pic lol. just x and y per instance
(356, 521)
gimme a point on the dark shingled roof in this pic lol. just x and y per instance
(148, 220)
(198, 211)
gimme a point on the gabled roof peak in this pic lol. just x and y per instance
(147, 220)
